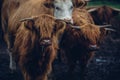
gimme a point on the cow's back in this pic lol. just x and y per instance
(8, 8)
(28, 9)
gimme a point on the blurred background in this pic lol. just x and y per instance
(112, 3)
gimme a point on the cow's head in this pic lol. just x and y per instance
(62, 8)
(103, 14)
(89, 36)
(47, 28)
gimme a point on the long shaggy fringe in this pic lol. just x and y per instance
(27, 50)
(87, 28)
(81, 17)
(24, 41)
(46, 25)
(91, 32)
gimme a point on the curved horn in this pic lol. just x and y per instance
(116, 9)
(103, 26)
(109, 29)
(75, 27)
(58, 19)
(92, 10)
(25, 19)
(31, 18)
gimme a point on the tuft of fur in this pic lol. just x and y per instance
(45, 25)
(81, 17)
(91, 32)
(80, 3)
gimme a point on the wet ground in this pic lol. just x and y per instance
(104, 66)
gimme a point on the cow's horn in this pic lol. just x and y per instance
(92, 10)
(31, 18)
(103, 26)
(76, 27)
(109, 29)
(25, 19)
(58, 19)
(116, 9)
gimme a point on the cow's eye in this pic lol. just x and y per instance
(57, 8)
(71, 7)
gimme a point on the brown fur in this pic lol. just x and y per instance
(81, 17)
(80, 3)
(35, 60)
(37, 7)
(91, 31)
(8, 9)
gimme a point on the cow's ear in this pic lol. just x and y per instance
(49, 3)
(59, 26)
(80, 3)
(29, 24)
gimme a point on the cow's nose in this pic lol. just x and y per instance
(46, 42)
(68, 20)
(93, 48)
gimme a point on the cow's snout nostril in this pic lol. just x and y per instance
(93, 47)
(46, 42)
(68, 20)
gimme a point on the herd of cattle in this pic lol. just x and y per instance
(37, 31)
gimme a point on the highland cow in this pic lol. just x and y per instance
(80, 41)
(103, 14)
(106, 15)
(36, 45)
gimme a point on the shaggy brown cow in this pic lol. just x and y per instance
(103, 14)
(36, 45)
(80, 44)
(77, 46)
